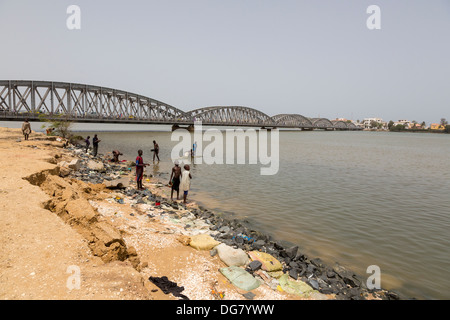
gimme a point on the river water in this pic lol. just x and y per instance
(357, 198)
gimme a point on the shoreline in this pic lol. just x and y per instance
(133, 229)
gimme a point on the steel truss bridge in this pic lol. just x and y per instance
(21, 99)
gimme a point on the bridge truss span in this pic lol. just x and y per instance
(231, 115)
(82, 102)
(292, 120)
(20, 99)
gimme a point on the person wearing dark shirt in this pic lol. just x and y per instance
(95, 142)
(175, 180)
(88, 143)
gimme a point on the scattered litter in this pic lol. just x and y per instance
(240, 278)
(168, 286)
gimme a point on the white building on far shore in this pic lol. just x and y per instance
(367, 123)
(408, 124)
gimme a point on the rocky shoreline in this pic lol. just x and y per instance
(335, 281)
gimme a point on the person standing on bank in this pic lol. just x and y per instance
(95, 142)
(88, 143)
(175, 180)
(26, 129)
(185, 183)
(140, 170)
(155, 150)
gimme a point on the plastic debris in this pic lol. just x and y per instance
(240, 278)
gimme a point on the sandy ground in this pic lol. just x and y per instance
(43, 254)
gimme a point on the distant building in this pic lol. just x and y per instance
(416, 126)
(405, 123)
(436, 126)
(367, 123)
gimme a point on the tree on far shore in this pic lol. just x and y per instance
(390, 124)
(399, 127)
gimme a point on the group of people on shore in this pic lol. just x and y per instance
(95, 142)
(179, 181)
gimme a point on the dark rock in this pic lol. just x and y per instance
(330, 274)
(349, 277)
(292, 252)
(278, 246)
(337, 286)
(301, 269)
(254, 265)
(353, 294)
(300, 257)
(310, 268)
(293, 273)
(327, 290)
(272, 251)
(324, 279)
(340, 296)
(317, 262)
(314, 284)
(393, 296)
(352, 281)
(226, 236)
(249, 295)
(258, 244)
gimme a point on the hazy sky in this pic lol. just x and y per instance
(315, 58)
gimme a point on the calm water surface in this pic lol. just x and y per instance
(358, 198)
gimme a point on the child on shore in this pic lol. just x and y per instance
(140, 170)
(185, 183)
(175, 180)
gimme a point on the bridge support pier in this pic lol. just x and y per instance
(189, 128)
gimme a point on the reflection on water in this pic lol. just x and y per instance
(359, 198)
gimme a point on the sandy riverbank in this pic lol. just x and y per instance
(50, 224)
(118, 238)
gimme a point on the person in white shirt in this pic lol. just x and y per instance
(185, 182)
